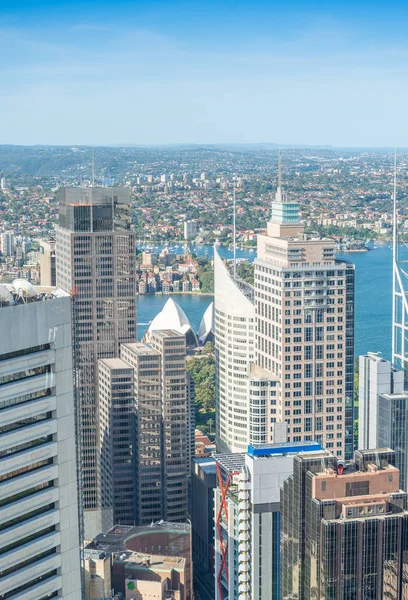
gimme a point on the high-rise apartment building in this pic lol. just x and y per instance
(95, 253)
(190, 229)
(47, 263)
(383, 410)
(344, 529)
(247, 519)
(285, 351)
(39, 532)
(304, 328)
(7, 243)
(176, 434)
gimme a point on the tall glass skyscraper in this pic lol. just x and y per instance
(344, 530)
(95, 257)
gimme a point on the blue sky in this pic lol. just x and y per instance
(203, 71)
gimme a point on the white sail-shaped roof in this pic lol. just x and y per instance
(172, 316)
(206, 329)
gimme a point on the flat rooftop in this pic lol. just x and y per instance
(140, 348)
(115, 539)
(21, 291)
(115, 363)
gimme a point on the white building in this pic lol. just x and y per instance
(234, 343)
(7, 243)
(39, 537)
(3, 183)
(383, 410)
(247, 519)
(172, 316)
(190, 229)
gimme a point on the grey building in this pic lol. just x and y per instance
(95, 255)
(203, 483)
(344, 529)
(117, 431)
(39, 528)
(146, 364)
(383, 410)
(145, 430)
(176, 434)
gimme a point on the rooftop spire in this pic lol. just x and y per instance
(279, 170)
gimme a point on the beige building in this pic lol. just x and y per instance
(285, 349)
(47, 263)
(304, 329)
(176, 430)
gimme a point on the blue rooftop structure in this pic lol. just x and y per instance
(259, 450)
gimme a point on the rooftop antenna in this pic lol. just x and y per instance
(279, 170)
(93, 166)
(235, 233)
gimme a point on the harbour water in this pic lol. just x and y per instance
(373, 297)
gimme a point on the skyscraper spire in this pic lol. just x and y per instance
(279, 170)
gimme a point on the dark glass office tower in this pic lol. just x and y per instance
(95, 255)
(344, 529)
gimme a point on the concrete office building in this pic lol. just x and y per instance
(344, 530)
(39, 533)
(155, 560)
(304, 328)
(7, 243)
(203, 483)
(383, 410)
(234, 351)
(95, 254)
(146, 365)
(117, 431)
(190, 229)
(176, 434)
(47, 263)
(247, 519)
(145, 430)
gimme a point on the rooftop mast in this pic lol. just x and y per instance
(235, 233)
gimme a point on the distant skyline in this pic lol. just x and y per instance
(203, 72)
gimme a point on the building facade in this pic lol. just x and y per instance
(234, 351)
(247, 519)
(147, 389)
(146, 436)
(190, 229)
(47, 263)
(176, 442)
(285, 350)
(304, 329)
(39, 527)
(7, 243)
(383, 410)
(344, 529)
(95, 254)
